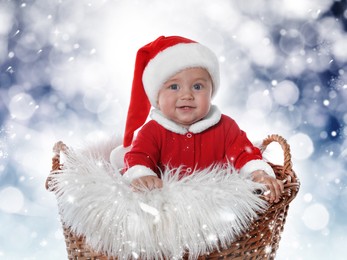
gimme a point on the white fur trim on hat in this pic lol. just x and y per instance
(255, 165)
(175, 59)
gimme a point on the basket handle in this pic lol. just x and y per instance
(56, 165)
(287, 164)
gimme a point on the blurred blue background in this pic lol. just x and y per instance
(65, 74)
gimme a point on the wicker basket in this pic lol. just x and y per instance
(261, 240)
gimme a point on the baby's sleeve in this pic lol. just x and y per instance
(243, 155)
(143, 157)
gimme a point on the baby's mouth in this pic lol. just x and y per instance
(185, 107)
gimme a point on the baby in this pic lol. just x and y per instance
(179, 77)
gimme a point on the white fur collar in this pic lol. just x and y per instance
(211, 119)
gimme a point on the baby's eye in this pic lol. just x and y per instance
(173, 86)
(197, 86)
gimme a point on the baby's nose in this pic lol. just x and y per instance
(186, 93)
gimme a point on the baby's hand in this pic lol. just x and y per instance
(275, 187)
(149, 182)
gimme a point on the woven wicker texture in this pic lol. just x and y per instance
(261, 240)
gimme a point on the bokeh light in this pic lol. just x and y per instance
(12, 201)
(316, 217)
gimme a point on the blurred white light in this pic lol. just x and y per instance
(111, 112)
(295, 65)
(316, 216)
(291, 42)
(339, 48)
(308, 197)
(93, 98)
(18, 238)
(6, 23)
(297, 7)
(43, 243)
(22, 106)
(332, 94)
(259, 104)
(12, 200)
(317, 88)
(305, 9)
(93, 75)
(345, 118)
(286, 93)
(28, 47)
(6, 18)
(254, 37)
(301, 146)
(343, 197)
(58, 235)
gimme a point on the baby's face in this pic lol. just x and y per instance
(185, 98)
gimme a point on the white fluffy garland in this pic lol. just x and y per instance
(198, 213)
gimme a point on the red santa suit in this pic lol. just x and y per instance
(215, 140)
(161, 143)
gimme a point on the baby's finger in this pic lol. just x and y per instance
(276, 193)
(153, 183)
(135, 186)
(158, 183)
(281, 183)
(139, 185)
(279, 188)
(270, 193)
(149, 184)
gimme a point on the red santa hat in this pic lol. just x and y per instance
(155, 63)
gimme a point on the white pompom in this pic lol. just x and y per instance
(117, 156)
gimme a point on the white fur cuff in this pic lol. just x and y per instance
(138, 171)
(117, 156)
(255, 165)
